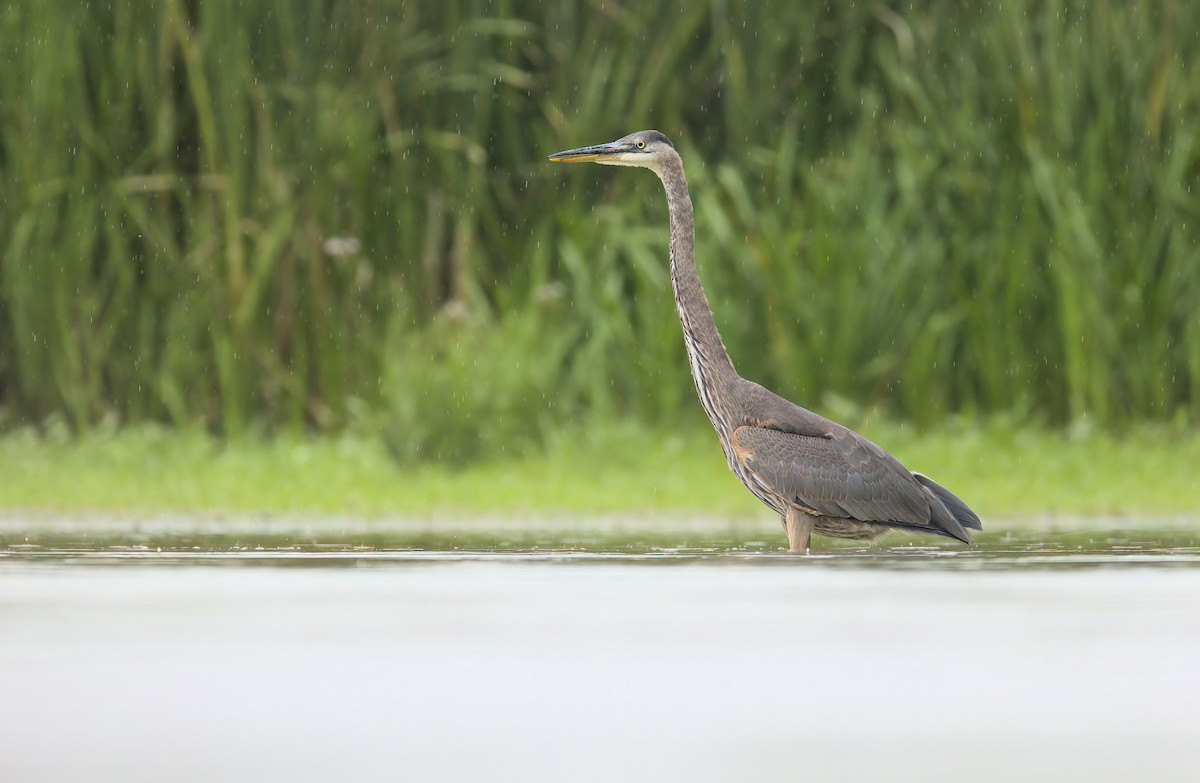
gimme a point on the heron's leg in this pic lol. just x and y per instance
(799, 527)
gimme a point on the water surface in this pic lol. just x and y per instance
(310, 654)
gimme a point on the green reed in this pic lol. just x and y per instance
(260, 216)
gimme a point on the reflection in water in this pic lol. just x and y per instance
(1026, 549)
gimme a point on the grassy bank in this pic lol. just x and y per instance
(1004, 474)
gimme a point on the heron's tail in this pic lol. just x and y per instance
(958, 509)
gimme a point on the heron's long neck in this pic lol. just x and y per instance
(712, 369)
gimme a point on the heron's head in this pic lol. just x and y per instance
(647, 149)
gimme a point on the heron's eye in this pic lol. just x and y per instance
(641, 145)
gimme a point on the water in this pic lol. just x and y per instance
(302, 653)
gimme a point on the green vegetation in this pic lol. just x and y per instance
(278, 218)
(623, 472)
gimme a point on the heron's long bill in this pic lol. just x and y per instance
(588, 154)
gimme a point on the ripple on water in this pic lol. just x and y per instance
(334, 549)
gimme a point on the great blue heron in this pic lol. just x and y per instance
(819, 476)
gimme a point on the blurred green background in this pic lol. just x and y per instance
(250, 217)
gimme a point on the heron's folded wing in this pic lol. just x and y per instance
(953, 503)
(839, 475)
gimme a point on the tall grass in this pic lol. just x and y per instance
(255, 215)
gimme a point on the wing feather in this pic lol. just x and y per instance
(839, 473)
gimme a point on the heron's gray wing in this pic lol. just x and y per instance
(841, 474)
(764, 408)
(954, 504)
